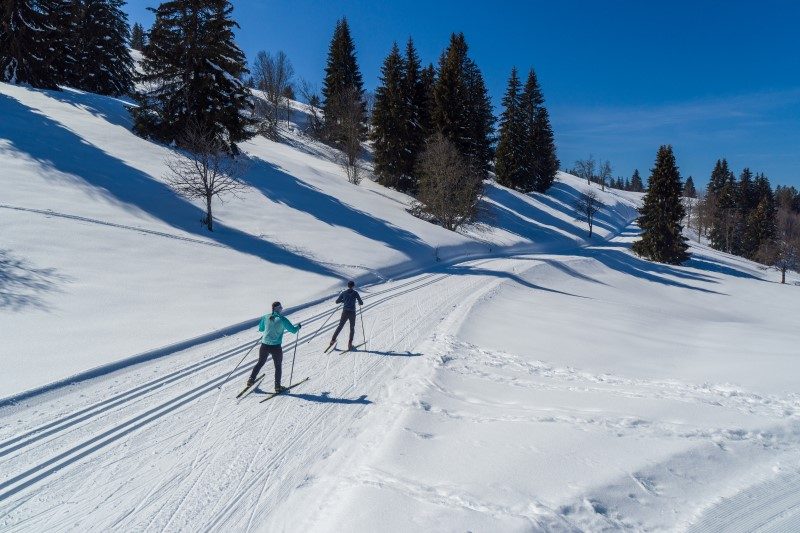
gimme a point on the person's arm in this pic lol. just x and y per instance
(291, 328)
(340, 299)
(261, 324)
(358, 297)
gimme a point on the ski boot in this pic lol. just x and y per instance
(279, 389)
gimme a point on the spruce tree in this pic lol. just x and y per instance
(722, 192)
(689, 190)
(636, 182)
(510, 157)
(102, 63)
(480, 119)
(137, 37)
(342, 82)
(192, 68)
(26, 36)
(661, 215)
(390, 121)
(427, 84)
(541, 161)
(416, 92)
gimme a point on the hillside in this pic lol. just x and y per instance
(114, 264)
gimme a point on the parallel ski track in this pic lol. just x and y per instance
(54, 431)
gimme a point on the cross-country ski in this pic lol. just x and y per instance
(534, 265)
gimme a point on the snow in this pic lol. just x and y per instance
(530, 380)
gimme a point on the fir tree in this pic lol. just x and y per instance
(390, 121)
(137, 37)
(722, 193)
(26, 36)
(480, 119)
(102, 62)
(636, 182)
(510, 158)
(661, 215)
(192, 69)
(427, 84)
(416, 90)
(689, 190)
(541, 161)
(342, 82)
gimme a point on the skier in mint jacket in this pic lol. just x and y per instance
(348, 300)
(273, 326)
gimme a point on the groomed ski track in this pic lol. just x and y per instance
(158, 447)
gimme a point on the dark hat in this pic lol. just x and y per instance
(351, 284)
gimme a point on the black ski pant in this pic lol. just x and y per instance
(264, 352)
(346, 315)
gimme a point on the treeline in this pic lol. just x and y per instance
(79, 43)
(746, 217)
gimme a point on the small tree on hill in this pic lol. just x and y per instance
(662, 213)
(588, 205)
(689, 190)
(205, 170)
(585, 169)
(450, 189)
(137, 37)
(636, 182)
(784, 251)
(604, 174)
(510, 160)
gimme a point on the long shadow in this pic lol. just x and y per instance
(459, 270)
(325, 397)
(702, 262)
(55, 146)
(282, 187)
(22, 284)
(561, 195)
(110, 109)
(391, 354)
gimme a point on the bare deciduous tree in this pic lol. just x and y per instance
(783, 252)
(450, 189)
(604, 174)
(584, 169)
(273, 75)
(588, 205)
(310, 94)
(204, 170)
(351, 131)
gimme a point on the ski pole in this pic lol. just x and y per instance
(323, 324)
(361, 312)
(237, 364)
(296, 342)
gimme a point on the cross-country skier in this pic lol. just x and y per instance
(273, 325)
(348, 300)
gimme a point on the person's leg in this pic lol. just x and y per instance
(263, 353)
(342, 320)
(352, 319)
(277, 358)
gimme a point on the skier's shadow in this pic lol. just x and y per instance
(324, 397)
(391, 354)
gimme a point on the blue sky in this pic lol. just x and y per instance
(714, 79)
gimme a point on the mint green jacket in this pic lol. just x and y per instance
(274, 325)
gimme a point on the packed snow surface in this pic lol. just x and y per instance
(530, 379)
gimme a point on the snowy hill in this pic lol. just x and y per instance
(130, 269)
(528, 381)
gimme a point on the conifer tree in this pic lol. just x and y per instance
(26, 36)
(661, 215)
(722, 193)
(417, 94)
(137, 37)
(636, 182)
(480, 119)
(428, 83)
(99, 46)
(342, 83)
(390, 121)
(689, 189)
(541, 161)
(510, 158)
(192, 70)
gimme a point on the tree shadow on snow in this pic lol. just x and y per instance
(465, 270)
(391, 354)
(22, 284)
(56, 147)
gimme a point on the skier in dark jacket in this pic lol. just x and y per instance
(348, 300)
(273, 326)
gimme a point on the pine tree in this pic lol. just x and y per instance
(342, 82)
(689, 190)
(510, 158)
(416, 90)
(541, 161)
(137, 37)
(25, 44)
(192, 68)
(102, 62)
(636, 182)
(390, 121)
(462, 110)
(722, 194)
(427, 84)
(661, 215)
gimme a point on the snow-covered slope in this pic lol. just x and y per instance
(111, 263)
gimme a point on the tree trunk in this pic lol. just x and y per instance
(209, 220)
(783, 276)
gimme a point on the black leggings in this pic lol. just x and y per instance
(347, 315)
(277, 357)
